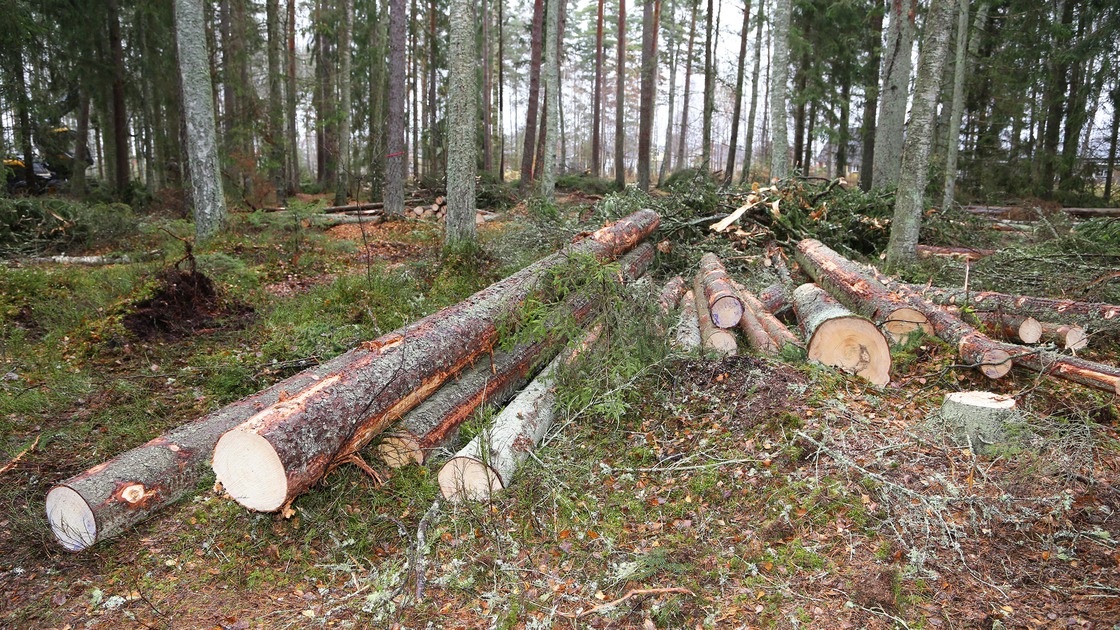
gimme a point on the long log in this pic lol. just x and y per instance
(1081, 213)
(757, 337)
(723, 302)
(839, 338)
(964, 253)
(111, 497)
(286, 448)
(712, 337)
(776, 299)
(1011, 327)
(1091, 315)
(686, 335)
(488, 463)
(860, 292)
(490, 383)
(778, 331)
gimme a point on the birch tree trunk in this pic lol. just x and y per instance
(462, 112)
(965, 44)
(198, 112)
(910, 199)
(552, 98)
(651, 17)
(738, 108)
(276, 166)
(892, 99)
(748, 144)
(779, 90)
(620, 88)
(395, 146)
(342, 179)
(597, 106)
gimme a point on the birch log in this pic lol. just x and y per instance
(285, 449)
(686, 336)
(838, 338)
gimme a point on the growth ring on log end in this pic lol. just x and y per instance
(249, 469)
(71, 518)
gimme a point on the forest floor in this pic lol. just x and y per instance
(674, 491)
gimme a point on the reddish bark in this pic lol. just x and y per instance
(723, 302)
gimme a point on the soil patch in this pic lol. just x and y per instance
(185, 302)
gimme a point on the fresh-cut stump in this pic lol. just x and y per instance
(286, 448)
(978, 419)
(723, 302)
(839, 338)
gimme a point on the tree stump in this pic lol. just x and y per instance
(978, 419)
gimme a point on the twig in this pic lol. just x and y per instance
(419, 559)
(631, 593)
(15, 460)
(722, 462)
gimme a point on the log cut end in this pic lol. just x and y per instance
(1029, 330)
(993, 362)
(71, 518)
(904, 322)
(1073, 337)
(249, 469)
(468, 479)
(854, 345)
(400, 450)
(726, 312)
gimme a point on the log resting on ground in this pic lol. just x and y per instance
(686, 335)
(671, 295)
(286, 448)
(1012, 327)
(488, 462)
(778, 331)
(1090, 315)
(1069, 336)
(836, 337)
(723, 302)
(776, 300)
(964, 253)
(711, 336)
(494, 380)
(860, 292)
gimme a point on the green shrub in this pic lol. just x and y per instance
(30, 226)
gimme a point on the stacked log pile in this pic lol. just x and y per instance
(272, 446)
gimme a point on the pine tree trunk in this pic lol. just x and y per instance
(276, 166)
(342, 182)
(501, 93)
(462, 127)
(910, 199)
(597, 103)
(737, 110)
(651, 18)
(552, 96)
(895, 91)
(748, 145)
(844, 135)
(292, 99)
(198, 112)
(1112, 142)
(682, 139)
(528, 153)
(709, 92)
(871, 95)
(779, 89)
(395, 145)
(620, 88)
(431, 165)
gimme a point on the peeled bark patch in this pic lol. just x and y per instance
(391, 375)
(839, 338)
(711, 336)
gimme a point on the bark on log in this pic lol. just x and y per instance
(1081, 213)
(288, 447)
(671, 295)
(839, 338)
(778, 331)
(491, 382)
(488, 463)
(723, 302)
(1091, 315)
(93, 261)
(109, 498)
(757, 337)
(860, 292)
(711, 337)
(963, 253)
(1012, 327)
(1069, 336)
(776, 299)
(686, 336)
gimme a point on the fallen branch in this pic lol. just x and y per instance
(15, 460)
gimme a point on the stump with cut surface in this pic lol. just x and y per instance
(283, 450)
(839, 338)
(861, 293)
(711, 336)
(978, 419)
(686, 336)
(723, 302)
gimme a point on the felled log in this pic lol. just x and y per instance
(488, 462)
(1091, 315)
(111, 497)
(963, 253)
(671, 295)
(492, 381)
(1069, 336)
(1081, 213)
(92, 261)
(860, 292)
(686, 336)
(723, 302)
(712, 337)
(839, 338)
(757, 337)
(778, 331)
(1013, 327)
(776, 299)
(286, 448)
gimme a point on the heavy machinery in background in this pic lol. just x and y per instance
(53, 165)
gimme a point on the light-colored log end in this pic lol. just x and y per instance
(854, 345)
(468, 479)
(722, 342)
(71, 519)
(1075, 337)
(400, 450)
(904, 322)
(249, 469)
(995, 363)
(726, 312)
(1030, 330)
